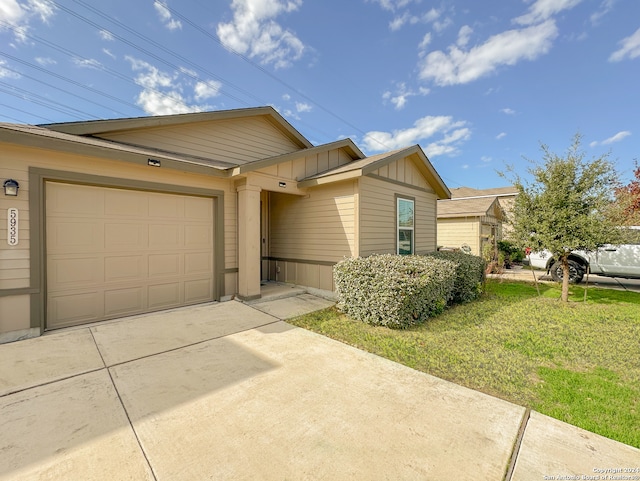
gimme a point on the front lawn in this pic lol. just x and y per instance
(579, 363)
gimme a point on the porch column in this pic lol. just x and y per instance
(249, 256)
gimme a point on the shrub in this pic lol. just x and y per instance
(469, 274)
(394, 291)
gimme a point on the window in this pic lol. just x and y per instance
(405, 227)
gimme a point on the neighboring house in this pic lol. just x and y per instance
(122, 217)
(474, 217)
(472, 222)
(506, 197)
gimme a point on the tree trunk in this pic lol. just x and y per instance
(565, 279)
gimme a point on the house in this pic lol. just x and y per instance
(474, 217)
(121, 217)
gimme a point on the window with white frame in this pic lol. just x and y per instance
(405, 226)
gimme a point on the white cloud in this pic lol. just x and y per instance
(463, 36)
(501, 135)
(165, 15)
(394, 5)
(255, 33)
(18, 16)
(87, 63)
(303, 107)
(44, 61)
(106, 35)
(207, 90)
(406, 17)
(452, 132)
(508, 111)
(630, 48)
(108, 52)
(486, 159)
(507, 48)
(163, 93)
(542, 10)
(605, 7)
(402, 94)
(6, 73)
(426, 40)
(611, 140)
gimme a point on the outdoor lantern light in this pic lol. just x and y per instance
(11, 187)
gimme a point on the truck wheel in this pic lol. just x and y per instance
(576, 272)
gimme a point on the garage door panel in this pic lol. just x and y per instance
(198, 208)
(162, 296)
(197, 236)
(78, 236)
(130, 252)
(164, 265)
(124, 268)
(164, 236)
(163, 207)
(75, 308)
(71, 272)
(127, 301)
(197, 291)
(118, 236)
(81, 200)
(198, 263)
(125, 203)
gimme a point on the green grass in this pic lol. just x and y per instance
(578, 362)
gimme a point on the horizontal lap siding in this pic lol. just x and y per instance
(317, 227)
(456, 232)
(237, 141)
(378, 217)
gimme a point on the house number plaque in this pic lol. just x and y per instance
(12, 226)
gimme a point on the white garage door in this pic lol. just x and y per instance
(115, 252)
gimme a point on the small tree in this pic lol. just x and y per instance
(627, 205)
(564, 208)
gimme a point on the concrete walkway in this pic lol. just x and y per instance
(229, 391)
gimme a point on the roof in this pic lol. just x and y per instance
(475, 207)
(465, 192)
(368, 165)
(97, 127)
(40, 137)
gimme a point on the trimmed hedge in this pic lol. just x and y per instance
(392, 290)
(470, 274)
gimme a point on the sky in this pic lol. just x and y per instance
(478, 85)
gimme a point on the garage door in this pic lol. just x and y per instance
(115, 252)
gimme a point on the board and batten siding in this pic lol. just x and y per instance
(405, 172)
(237, 141)
(378, 217)
(457, 232)
(309, 234)
(306, 166)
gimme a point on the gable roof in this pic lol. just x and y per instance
(40, 137)
(98, 127)
(367, 165)
(346, 144)
(475, 207)
(466, 192)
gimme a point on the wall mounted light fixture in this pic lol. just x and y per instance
(11, 187)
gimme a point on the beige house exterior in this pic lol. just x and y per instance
(472, 222)
(122, 217)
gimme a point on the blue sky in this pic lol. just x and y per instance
(479, 85)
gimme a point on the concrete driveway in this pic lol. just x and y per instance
(229, 392)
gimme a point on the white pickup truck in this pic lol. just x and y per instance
(609, 260)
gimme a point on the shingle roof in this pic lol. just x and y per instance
(461, 192)
(44, 138)
(477, 207)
